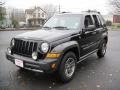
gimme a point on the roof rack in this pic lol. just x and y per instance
(92, 11)
(65, 12)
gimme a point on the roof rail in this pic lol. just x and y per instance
(92, 11)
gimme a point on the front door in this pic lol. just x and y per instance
(87, 41)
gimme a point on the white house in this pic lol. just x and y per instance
(35, 16)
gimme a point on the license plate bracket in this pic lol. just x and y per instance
(19, 63)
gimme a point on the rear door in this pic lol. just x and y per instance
(98, 30)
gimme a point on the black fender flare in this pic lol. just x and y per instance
(62, 48)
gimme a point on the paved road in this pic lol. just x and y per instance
(92, 74)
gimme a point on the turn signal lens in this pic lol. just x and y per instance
(53, 55)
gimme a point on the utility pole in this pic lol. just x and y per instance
(59, 8)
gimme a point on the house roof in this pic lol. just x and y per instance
(30, 11)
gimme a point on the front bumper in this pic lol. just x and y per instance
(39, 65)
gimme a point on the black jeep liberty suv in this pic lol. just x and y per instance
(65, 40)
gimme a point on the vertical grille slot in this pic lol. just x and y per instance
(21, 46)
(30, 48)
(35, 47)
(27, 47)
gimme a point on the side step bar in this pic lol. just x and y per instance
(86, 56)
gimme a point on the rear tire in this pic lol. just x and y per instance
(67, 67)
(102, 50)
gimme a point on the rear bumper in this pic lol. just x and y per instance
(38, 66)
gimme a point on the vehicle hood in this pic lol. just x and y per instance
(47, 35)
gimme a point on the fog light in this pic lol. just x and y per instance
(53, 66)
(34, 55)
(9, 50)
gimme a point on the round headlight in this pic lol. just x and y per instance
(13, 42)
(34, 55)
(44, 47)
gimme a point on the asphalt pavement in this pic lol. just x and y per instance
(92, 74)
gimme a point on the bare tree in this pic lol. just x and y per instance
(2, 10)
(50, 9)
(2, 3)
(16, 16)
(115, 6)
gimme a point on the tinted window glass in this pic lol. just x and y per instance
(100, 22)
(70, 21)
(88, 21)
(97, 24)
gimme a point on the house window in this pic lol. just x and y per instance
(38, 21)
(34, 22)
(42, 14)
(34, 15)
(38, 14)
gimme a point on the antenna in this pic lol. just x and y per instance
(59, 8)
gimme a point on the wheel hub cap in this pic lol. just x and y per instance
(69, 67)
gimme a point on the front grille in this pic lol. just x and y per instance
(24, 48)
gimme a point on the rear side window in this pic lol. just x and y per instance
(102, 20)
(97, 23)
(88, 21)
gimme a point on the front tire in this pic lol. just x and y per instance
(102, 50)
(68, 67)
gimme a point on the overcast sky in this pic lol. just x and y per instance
(66, 5)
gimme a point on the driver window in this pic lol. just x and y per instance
(88, 21)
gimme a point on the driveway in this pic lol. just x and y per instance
(92, 74)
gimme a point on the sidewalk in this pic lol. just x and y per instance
(16, 29)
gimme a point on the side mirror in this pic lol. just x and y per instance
(90, 27)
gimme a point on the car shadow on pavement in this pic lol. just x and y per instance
(40, 80)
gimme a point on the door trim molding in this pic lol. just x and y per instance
(86, 56)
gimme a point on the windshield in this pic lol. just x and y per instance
(63, 22)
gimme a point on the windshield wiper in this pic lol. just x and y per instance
(46, 27)
(61, 27)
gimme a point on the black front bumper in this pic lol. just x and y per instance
(39, 65)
